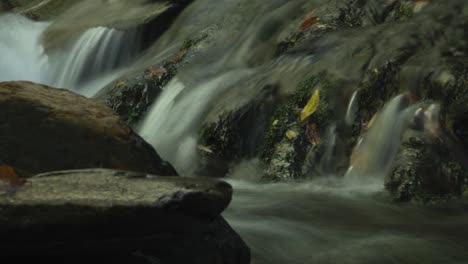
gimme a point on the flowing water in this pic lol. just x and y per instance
(84, 66)
(325, 220)
(331, 221)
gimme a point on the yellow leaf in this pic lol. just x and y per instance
(372, 121)
(291, 134)
(275, 122)
(120, 84)
(311, 106)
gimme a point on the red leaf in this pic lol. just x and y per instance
(157, 72)
(309, 22)
(9, 176)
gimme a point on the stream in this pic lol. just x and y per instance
(319, 221)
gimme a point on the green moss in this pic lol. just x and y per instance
(287, 116)
(403, 11)
(286, 156)
(131, 98)
(350, 15)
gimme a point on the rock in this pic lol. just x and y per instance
(285, 156)
(237, 134)
(37, 9)
(131, 97)
(45, 129)
(426, 170)
(125, 217)
(150, 18)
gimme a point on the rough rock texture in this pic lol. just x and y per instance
(123, 217)
(131, 97)
(45, 129)
(427, 170)
(376, 50)
(237, 134)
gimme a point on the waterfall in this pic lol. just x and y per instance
(84, 66)
(98, 51)
(377, 149)
(173, 122)
(240, 64)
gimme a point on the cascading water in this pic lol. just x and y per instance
(376, 151)
(85, 65)
(324, 220)
(173, 123)
(176, 138)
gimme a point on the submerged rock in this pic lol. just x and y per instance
(124, 217)
(150, 18)
(45, 129)
(37, 9)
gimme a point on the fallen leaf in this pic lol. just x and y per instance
(120, 84)
(372, 121)
(205, 149)
(311, 106)
(313, 134)
(9, 176)
(156, 72)
(309, 22)
(291, 134)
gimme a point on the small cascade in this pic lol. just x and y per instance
(21, 52)
(89, 61)
(376, 150)
(240, 65)
(172, 124)
(98, 51)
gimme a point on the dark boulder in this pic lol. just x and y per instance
(46, 129)
(123, 217)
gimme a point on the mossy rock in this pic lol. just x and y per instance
(131, 98)
(237, 134)
(426, 171)
(287, 142)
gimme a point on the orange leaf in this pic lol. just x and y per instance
(156, 72)
(309, 22)
(9, 176)
(313, 134)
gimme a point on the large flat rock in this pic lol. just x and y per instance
(46, 129)
(118, 215)
(102, 189)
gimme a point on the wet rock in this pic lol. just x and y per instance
(37, 9)
(426, 170)
(237, 134)
(150, 18)
(45, 129)
(121, 216)
(284, 152)
(130, 98)
(344, 15)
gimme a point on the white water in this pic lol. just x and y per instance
(172, 124)
(324, 221)
(238, 64)
(375, 152)
(327, 221)
(85, 66)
